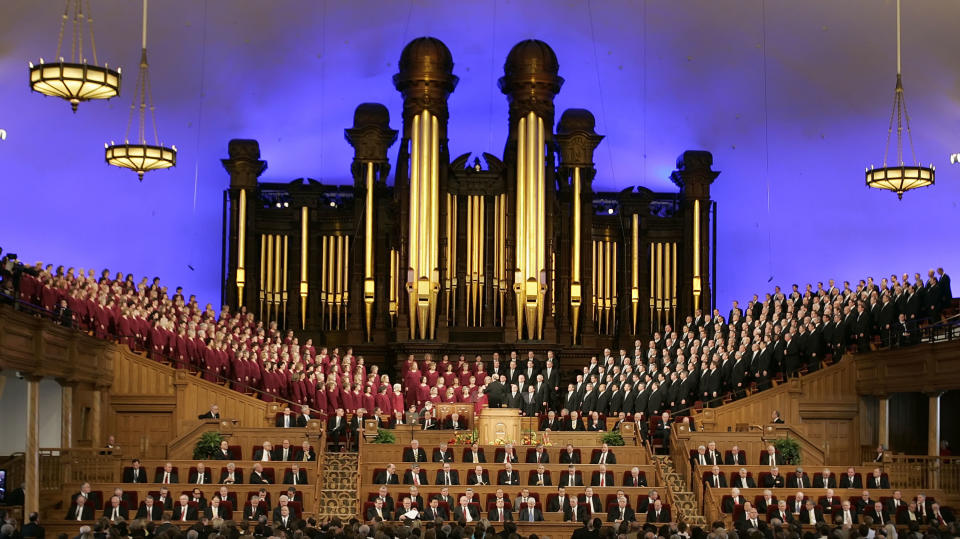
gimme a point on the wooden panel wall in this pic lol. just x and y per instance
(908, 423)
(822, 406)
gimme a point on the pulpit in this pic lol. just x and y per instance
(499, 423)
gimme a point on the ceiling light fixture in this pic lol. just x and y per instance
(900, 177)
(76, 80)
(141, 157)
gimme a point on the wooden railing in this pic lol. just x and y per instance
(812, 454)
(15, 467)
(923, 472)
(59, 466)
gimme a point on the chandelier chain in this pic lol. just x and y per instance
(93, 43)
(63, 24)
(73, 42)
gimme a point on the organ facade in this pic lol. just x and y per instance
(427, 249)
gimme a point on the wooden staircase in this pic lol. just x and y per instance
(682, 499)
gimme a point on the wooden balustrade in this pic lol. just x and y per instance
(60, 466)
(923, 472)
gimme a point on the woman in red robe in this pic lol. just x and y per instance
(449, 375)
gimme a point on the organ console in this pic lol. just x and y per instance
(518, 248)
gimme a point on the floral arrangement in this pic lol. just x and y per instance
(464, 437)
(533, 438)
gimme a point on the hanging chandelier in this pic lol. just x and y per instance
(141, 157)
(900, 177)
(75, 80)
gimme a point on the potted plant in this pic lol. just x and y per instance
(789, 450)
(611, 438)
(207, 446)
(384, 436)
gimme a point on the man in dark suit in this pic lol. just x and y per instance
(115, 511)
(569, 456)
(80, 509)
(200, 475)
(770, 457)
(257, 476)
(601, 477)
(574, 512)
(530, 513)
(540, 477)
(826, 479)
(336, 427)
(605, 456)
(500, 513)
(264, 453)
(224, 452)
(877, 513)
(847, 513)
(454, 422)
(304, 416)
(255, 510)
(443, 453)
(32, 529)
(465, 512)
(940, 517)
(134, 474)
(878, 480)
(729, 502)
(635, 479)
(811, 514)
(715, 479)
(574, 424)
(414, 453)
(774, 479)
(215, 510)
(909, 515)
(851, 479)
(305, 453)
(662, 432)
(286, 419)
(149, 510)
(446, 476)
(388, 476)
(591, 502)
(799, 479)
(621, 512)
(782, 513)
(167, 475)
(508, 476)
(284, 452)
(231, 475)
(539, 456)
(182, 510)
(433, 511)
(378, 511)
(475, 454)
(214, 413)
(295, 476)
(570, 478)
(742, 480)
(751, 521)
(415, 476)
(550, 422)
(286, 521)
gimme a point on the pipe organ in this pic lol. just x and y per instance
(475, 248)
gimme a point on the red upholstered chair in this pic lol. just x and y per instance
(737, 512)
(237, 452)
(611, 500)
(131, 498)
(366, 507)
(723, 502)
(761, 478)
(257, 492)
(296, 507)
(729, 453)
(227, 505)
(269, 474)
(376, 472)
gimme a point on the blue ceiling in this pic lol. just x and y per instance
(792, 98)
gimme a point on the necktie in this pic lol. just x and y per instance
(622, 516)
(447, 479)
(846, 517)
(199, 479)
(166, 477)
(939, 519)
(416, 456)
(183, 513)
(573, 513)
(570, 480)
(540, 479)
(716, 481)
(416, 479)
(603, 458)
(116, 513)
(295, 478)
(501, 515)
(603, 479)
(79, 512)
(754, 521)
(466, 512)
(880, 516)
(136, 475)
(530, 514)
(702, 460)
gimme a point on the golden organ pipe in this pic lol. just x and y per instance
(269, 275)
(659, 284)
(575, 255)
(613, 287)
(480, 261)
(304, 245)
(286, 264)
(241, 246)
(345, 279)
(673, 307)
(277, 276)
(263, 269)
(652, 289)
(696, 254)
(635, 271)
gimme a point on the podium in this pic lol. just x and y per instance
(503, 423)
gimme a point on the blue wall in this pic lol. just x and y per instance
(675, 75)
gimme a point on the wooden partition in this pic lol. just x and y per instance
(822, 407)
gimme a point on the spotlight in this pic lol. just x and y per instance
(333, 204)
(954, 157)
(279, 205)
(286, 204)
(3, 134)
(610, 211)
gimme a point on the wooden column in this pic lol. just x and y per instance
(933, 426)
(66, 414)
(32, 447)
(96, 425)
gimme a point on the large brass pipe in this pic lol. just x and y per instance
(331, 285)
(392, 307)
(481, 238)
(263, 265)
(469, 273)
(673, 306)
(345, 281)
(520, 279)
(413, 248)
(696, 254)
(339, 281)
(502, 248)
(667, 295)
(659, 284)
(324, 286)
(304, 245)
(369, 284)
(613, 287)
(652, 290)
(452, 241)
(286, 263)
(269, 292)
(278, 277)
(241, 246)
